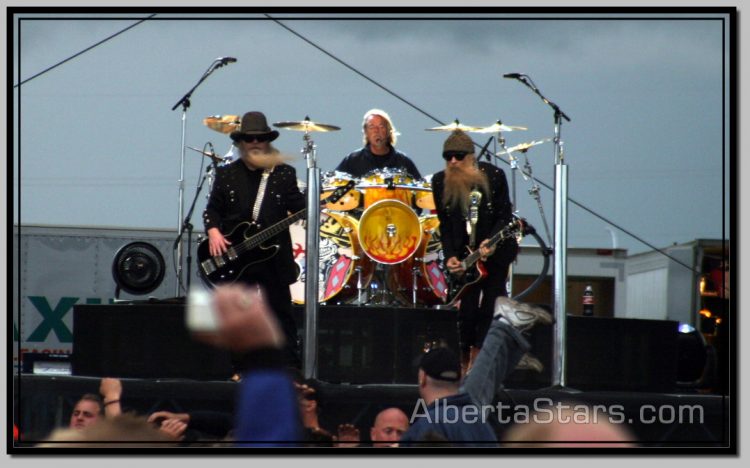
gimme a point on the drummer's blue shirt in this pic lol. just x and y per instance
(363, 161)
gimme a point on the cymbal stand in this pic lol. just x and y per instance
(514, 207)
(534, 192)
(312, 259)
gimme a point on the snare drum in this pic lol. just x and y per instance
(332, 181)
(389, 231)
(421, 279)
(386, 184)
(343, 266)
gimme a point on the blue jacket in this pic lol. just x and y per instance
(443, 420)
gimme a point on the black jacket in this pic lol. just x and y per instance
(495, 212)
(362, 161)
(231, 203)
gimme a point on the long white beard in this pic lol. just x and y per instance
(265, 160)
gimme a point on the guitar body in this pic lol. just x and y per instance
(459, 285)
(227, 268)
(250, 247)
(475, 270)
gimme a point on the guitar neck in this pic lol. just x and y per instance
(274, 229)
(472, 258)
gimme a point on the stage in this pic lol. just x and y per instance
(367, 361)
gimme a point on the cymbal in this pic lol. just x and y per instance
(499, 127)
(455, 125)
(307, 126)
(222, 123)
(523, 147)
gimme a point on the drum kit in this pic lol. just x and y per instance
(380, 242)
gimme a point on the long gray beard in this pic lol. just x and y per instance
(459, 184)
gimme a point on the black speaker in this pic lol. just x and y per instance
(142, 340)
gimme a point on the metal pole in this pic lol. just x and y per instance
(181, 208)
(311, 263)
(560, 272)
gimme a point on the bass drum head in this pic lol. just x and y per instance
(389, 231)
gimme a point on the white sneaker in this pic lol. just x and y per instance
(522, 316)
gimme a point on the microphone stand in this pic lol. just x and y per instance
(561, 241)
(185, 103)
(188, 226)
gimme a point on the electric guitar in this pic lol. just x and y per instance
(474, 269)
(247, 246)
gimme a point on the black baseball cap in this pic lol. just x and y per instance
(441, 364)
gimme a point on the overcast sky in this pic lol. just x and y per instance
(645, 148)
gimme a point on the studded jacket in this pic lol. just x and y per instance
(495, 212)
(231, 203)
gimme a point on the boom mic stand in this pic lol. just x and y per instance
(185, 103)
(561, 241)
(188, 226)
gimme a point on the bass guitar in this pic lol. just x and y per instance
(474, 269)
(248, 245)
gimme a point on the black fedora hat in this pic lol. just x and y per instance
(254, 123)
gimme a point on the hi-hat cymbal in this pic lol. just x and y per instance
(455, 125)
(222, 123)
(523, 147)
(307, 126)
(499, 127)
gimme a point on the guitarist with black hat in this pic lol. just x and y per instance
(249, 195)
(472, 202)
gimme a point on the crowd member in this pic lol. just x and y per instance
(90, 408)
(194, 425)
(379, 150)
(443, 396)
(390, 424)
(572, 426)
(472, 202)
(259, 188)
(267, 411)
(121, 431)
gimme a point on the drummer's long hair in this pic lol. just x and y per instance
(460, 181)
(392, 133)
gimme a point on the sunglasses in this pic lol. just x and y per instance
(252, 138)
(459, 155)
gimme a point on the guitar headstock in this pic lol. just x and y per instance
(340, 192)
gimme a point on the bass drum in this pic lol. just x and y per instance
(342, 263)
(421, 279)
(389, 231)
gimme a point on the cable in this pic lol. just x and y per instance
(415, 107)
(82, 52)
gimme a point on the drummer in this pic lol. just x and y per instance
(379, 151)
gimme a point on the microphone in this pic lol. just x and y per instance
(226, 60)
(513, 75)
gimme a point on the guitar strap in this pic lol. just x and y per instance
(475, 198)
(261, 193)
